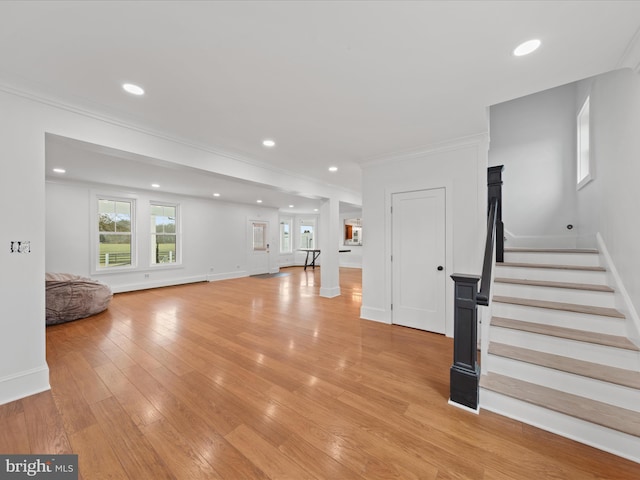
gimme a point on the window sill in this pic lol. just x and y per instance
(112, 270)
(584, 181)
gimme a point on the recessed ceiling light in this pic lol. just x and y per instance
(59, 170)
(155, 185)
(290, 206)
(333, 169)
(268, 143)
(258, 201)
(315, 209)
(133, 89)
(216, 194)
(527, 47)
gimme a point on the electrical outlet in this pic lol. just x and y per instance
(211, 270)
(146, 275)
(22, 246)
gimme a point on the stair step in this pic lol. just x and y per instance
(569, 275)
(551, 250)
(554, 290)
(561, 318)
(616, 418)
(567, 333)
(552, 266)
(545, 283)
(597, 371)
(568, 307)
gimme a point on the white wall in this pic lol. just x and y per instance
(610, 203)
(23, 368)
(461, 168)
(534, 137)
(214, 237)
(24, 122)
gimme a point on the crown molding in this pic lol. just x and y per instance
(112, 120)
(478, 139)
(630, 58)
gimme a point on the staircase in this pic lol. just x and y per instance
(557, 353)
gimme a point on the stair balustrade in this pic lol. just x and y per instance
(465, 373)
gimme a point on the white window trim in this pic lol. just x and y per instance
(310, 221)
(95, 235)
(178, 263)
(585, 179)
(288, 220)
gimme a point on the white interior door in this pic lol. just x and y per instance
(258, 233)
(418, 259)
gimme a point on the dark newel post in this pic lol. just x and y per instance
(464, 371)
(494, 184)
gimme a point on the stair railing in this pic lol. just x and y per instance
(464, 373)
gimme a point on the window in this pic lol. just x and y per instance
(583, 157)
(285, 235)
(259, 236)
(115, 218)
(164, 238)
(306, 236)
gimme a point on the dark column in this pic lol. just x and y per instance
(494, 184)
(464, 371)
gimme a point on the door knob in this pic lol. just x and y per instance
(440, 268)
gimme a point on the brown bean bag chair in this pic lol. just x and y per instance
(70, 297)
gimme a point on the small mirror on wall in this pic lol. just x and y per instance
(353, 231)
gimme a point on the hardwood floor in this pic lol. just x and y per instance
(262, 378)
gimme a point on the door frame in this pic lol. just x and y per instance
(448, 220)
(251, 251)
(394, 263)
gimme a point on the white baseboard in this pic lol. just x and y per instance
(329, 292)
(464, 407)
(130, 287)
(623, 300)
(226, 276)
(375, 314)
(351, 265)
(23, 384)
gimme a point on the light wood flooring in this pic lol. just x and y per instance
(262, 378)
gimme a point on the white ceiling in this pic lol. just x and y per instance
(89, 163)
(333, 83)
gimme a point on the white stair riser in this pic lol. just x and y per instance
(589, 352)
(560, 318)
(613, 394)
(552, 274)
(586, 259)
(553, 294)
(618, 443)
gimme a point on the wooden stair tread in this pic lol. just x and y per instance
(552, 266)
(567, 307)
(544, 283)
(551, 250)
(597, 371)
(609, 416)
(568, 333)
